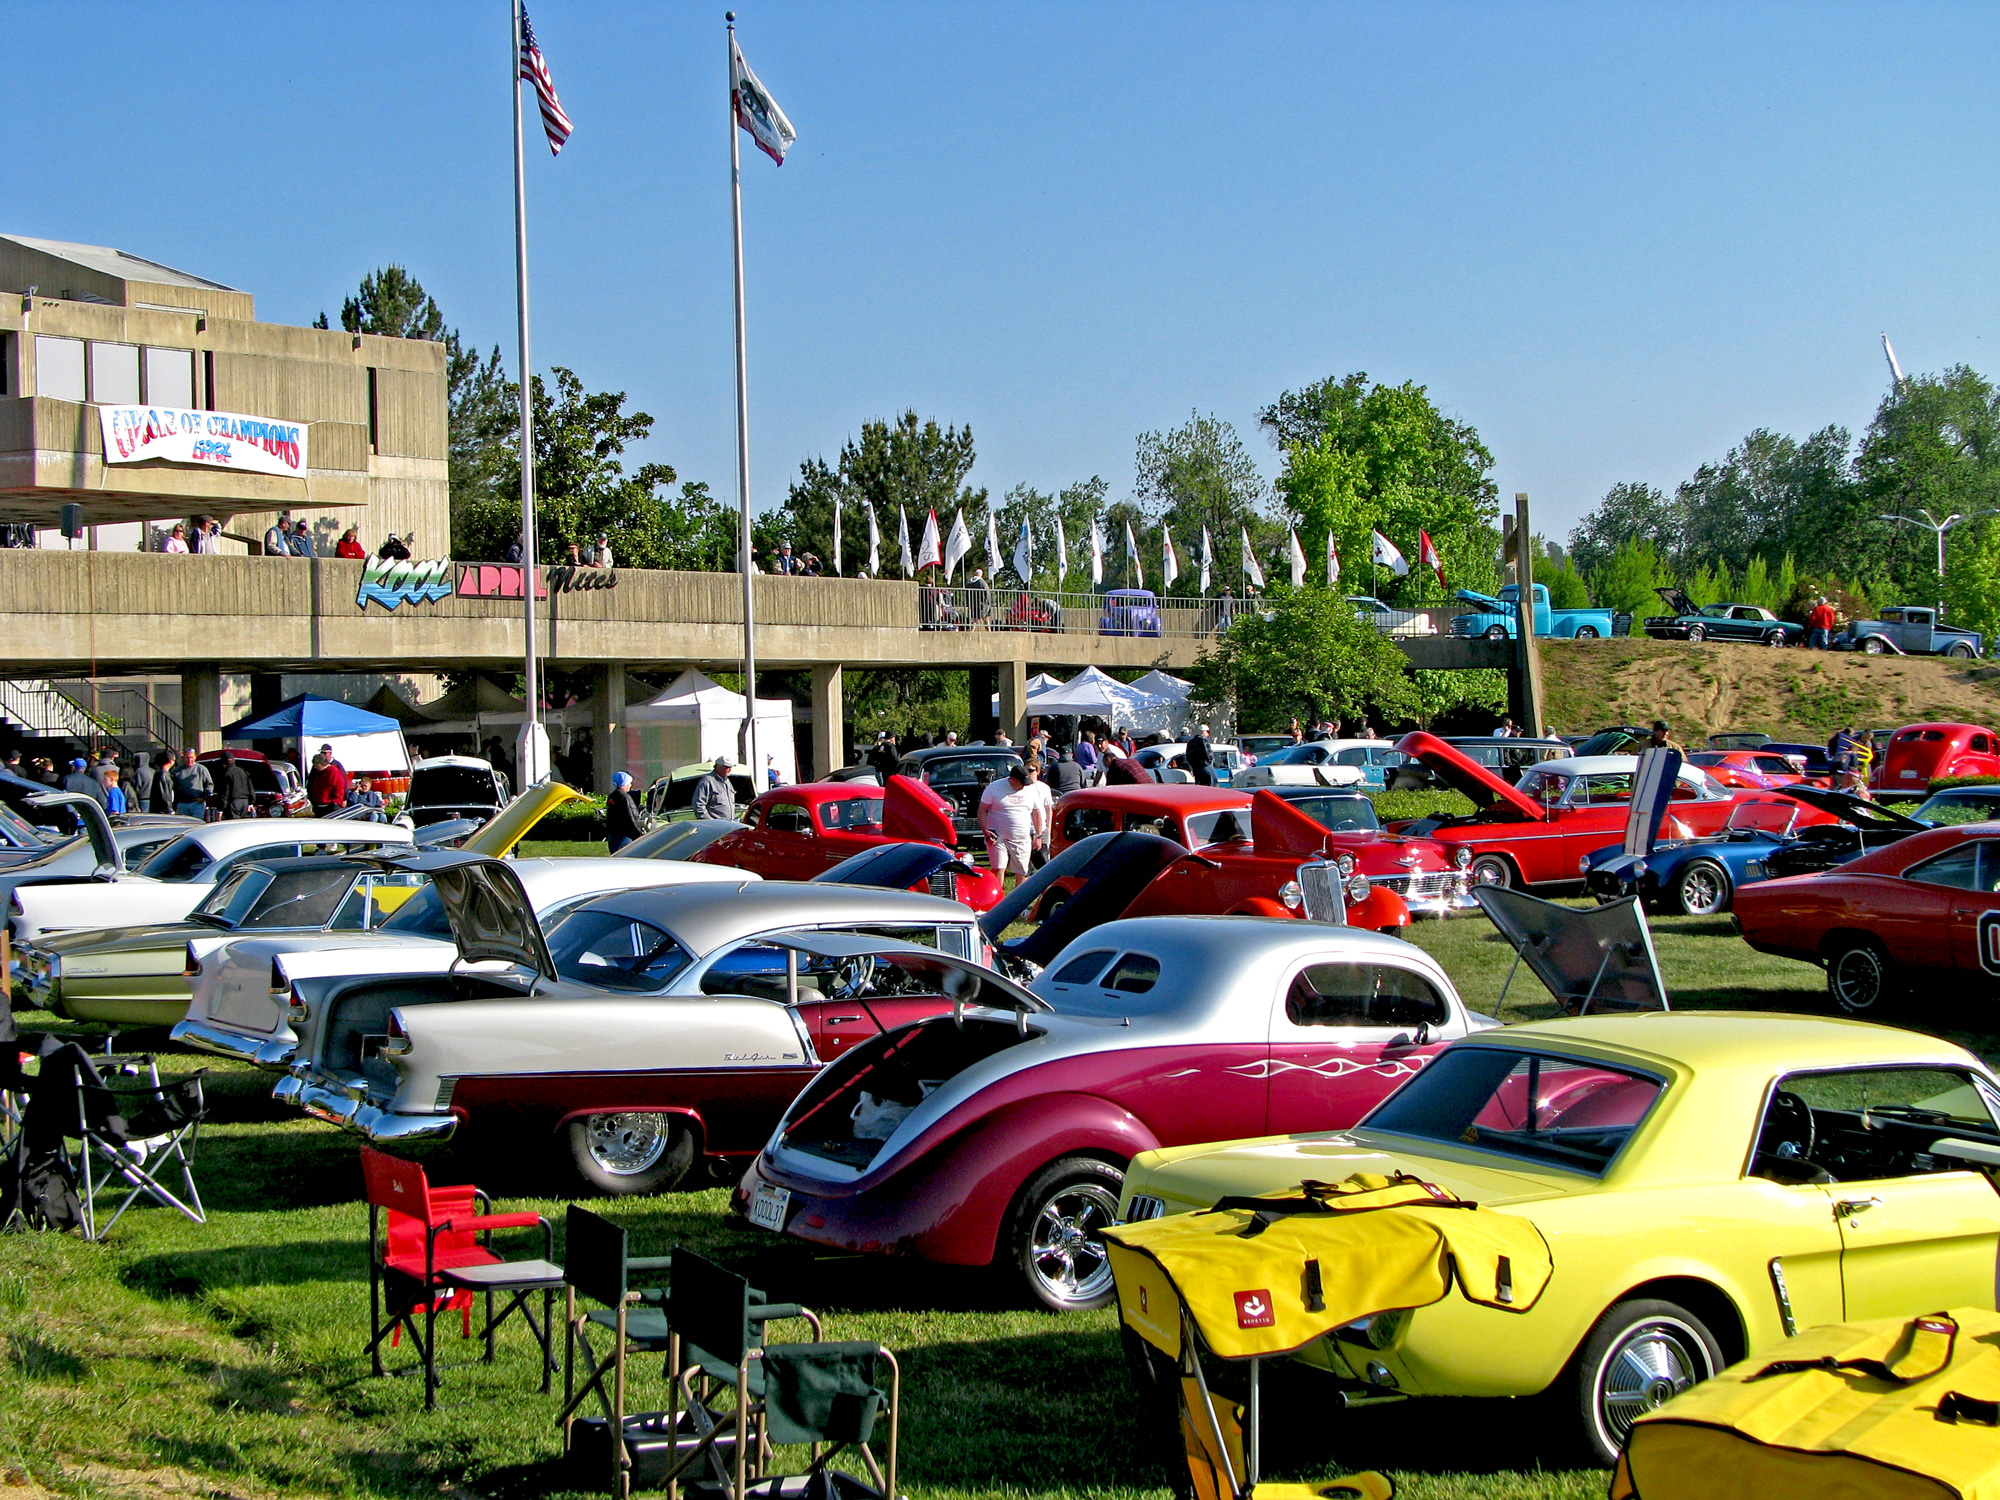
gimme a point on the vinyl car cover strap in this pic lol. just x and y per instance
(1892, 1408)
(1307, 1273)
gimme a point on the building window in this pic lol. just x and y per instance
(170, 378)
(208, 379)
(374, 422)
(59, 368)
(9, 351)
(114, 374)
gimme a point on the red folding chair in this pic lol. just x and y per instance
(430, 1251)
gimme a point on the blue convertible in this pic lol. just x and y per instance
(1697, 877)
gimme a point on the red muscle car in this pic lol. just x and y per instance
(797, 832)
(1926, 905)
(1538, 831)
(1755, 770)
(1922, 753)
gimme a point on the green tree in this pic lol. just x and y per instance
(1306, 655)
(1362, 458)
(1625, 581)
(1196, 475)
(1078, 505)
(1627, 513)
(911, 462)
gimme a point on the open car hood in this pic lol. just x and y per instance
(911, 810)
(512, 823)
(1104, 873)
(893, 867)
(96, 826)
(1678, 602)
(1847, 807)
(960, 980)
(489, 912)
(1277, 828)
(1464, 775)
(1591, 958)
(1484, 601)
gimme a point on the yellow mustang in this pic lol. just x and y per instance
(1707, 1183)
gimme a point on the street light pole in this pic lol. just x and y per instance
(1940, 527)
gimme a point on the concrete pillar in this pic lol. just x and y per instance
(829, 720)
(607, 727)
(1014, 699)
(201, 708)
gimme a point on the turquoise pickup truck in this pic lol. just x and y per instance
(1494, 618)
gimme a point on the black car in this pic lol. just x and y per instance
(960, 774)
(1729, 621)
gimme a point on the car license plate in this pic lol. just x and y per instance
(768, 1205)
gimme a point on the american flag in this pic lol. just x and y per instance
(535, 69)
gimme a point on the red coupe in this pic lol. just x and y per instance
(1189, 815)
(1754, 770)
(1926, 906)
(1538, 831)
(1922, 753)
(797, 832)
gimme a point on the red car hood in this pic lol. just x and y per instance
(911, 810)
(1467, 776)
(1281, 831)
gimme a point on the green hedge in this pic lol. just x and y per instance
(1944, 782)
(577, 821)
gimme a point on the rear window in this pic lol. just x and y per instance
(1224, 826)
(453, 786)
(1134, 974)
(421, 916)
(851, 812)
(969, 770)
(1080, 823)
(612, 952)
(1083, 968)
(1126, 986)
(183, 859)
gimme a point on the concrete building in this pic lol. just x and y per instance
(84, 327)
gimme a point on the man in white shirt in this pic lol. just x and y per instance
(1045, 807)
(1011, 815)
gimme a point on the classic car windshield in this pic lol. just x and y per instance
(1546, 787)
(236, 890)
(612, 952)
(1554, 1111)
(183, 859)
(968, 770)
(294, 898)
(1960, 806)
(1715, 611)
(16, 832)
(1339, 814)
(1310, 754)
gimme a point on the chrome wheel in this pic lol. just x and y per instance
(1650, 1364)
(1697, 633)
(1066, 1246)
(1858, 978)
(626, 1145)
(1704, 889)
(1872, 646)
(1490, 869)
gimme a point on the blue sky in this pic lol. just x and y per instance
(1615, 238)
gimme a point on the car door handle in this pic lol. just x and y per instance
(1845, 1207)
(841, 1020)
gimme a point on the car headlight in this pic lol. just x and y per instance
(1291, 895)
(1461, 856)
(1358, 888)
(1638, 869)
(1345, 864)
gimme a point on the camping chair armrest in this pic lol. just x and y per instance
(649, 1262)
(772, 1312)
(494, 1221)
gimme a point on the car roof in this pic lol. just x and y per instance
(1728, 1039)
(1588, 765)
(1893, 859)
(1184, 795)
(247, 833)
(704, 917)
(943, 752)
(1976, 728)
(816, 792)
(1966, 793)
(547, 880)
(1499, 739)
(467, 762)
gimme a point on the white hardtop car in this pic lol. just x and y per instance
(1584, 780)
(1319, 763)
(175, 878)
(242, 984)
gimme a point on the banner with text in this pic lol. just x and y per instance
(219, 439)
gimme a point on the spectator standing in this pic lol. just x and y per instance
(517, 551)
(350, 544)
(139, 791)
(1007, 816)
(176, 542)
(207, 535)
(45, 772)
(784, 562)
(883, 756)
(599, 555)
(1201, 757)
(1065, 776)
(327, 785)
(714, 796)
(236, 790)
(621, 812)
(1045, 812)
(104, 768)
(1504, 730)
(193, 786)
(1086, 756)
(114, 794)
(979, 597)
(1819, 625)
(393, 549)
(1662, 738)
(80, 780)
(813, 566)
(302, 542)
(278, 536)
(1298, 733)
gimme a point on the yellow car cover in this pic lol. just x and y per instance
(1269, 1275)
(1889, 1410)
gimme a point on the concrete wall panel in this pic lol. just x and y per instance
(410, 414)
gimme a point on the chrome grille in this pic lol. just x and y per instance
(1325, 899)
(1425, 885)
(944, 883)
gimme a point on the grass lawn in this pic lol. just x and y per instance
(225, 1359)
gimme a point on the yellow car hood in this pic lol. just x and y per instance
(1189, 1177)
(506, 828)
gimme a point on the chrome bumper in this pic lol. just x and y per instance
(274, 1055)
(1441, 906)
(381, 1127)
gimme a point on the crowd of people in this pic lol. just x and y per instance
(183, 783)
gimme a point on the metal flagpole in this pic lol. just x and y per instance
(755, 767)
(532, 758)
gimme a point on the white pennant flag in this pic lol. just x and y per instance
(1298, 563)
(992, 549)
(1132, 558)
(930, 551)
(1332, 563)
(1170, 562)
(957, 544)
(756, 111)
(874, 544)
(1252, 572)
(1062, 554)
(1207, 558)
(1387, 555)
(1096, 553)
(903, 542)
(1024, 556)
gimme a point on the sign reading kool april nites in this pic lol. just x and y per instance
(220, 439)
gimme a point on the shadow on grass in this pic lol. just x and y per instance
(193, 1273)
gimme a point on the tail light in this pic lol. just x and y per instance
(279, 983)
(192, 966)
(397, 1041)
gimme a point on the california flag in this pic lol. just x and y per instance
(756, 111)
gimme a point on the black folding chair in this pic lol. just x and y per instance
(597, 1267)
(135, 1136)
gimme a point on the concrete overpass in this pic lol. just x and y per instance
(78, 614)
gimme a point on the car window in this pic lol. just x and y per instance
(1081, 822)
(1772, 765)
(1892, 617)
(1133, 974)
(1350, 757)
(614, 952)
(1958, 807)
(1363, 994)
(851, 812)
(1338, 814)
(1715, 611)
(377, 898)
(969, 770)
(1746, 612)
(1546, 787)
(1158, 824)
(1957, 868)
(1084, 967)
(1222, 826)
(1980, 742)
(421, 916)
(231, 896)
(787, 817)
(1552, 1110)
(299, 898)
(1863, 1124)
(1609, 787)
(180, 860)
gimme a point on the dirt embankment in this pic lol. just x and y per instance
(1788, 694)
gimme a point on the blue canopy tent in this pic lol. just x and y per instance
(362, 741)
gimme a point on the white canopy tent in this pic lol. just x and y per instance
(1100, 695)
(696, 719)
(1157, 681)
(1040, 682)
